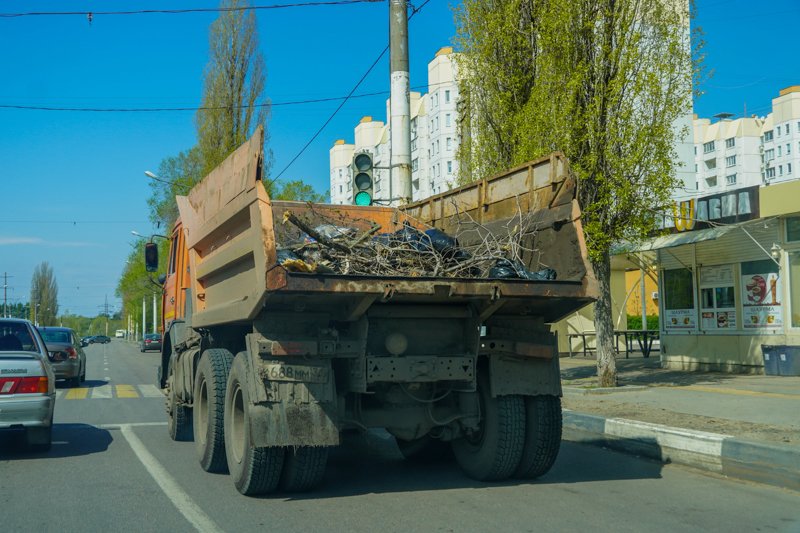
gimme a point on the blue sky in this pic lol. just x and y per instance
(73, 183)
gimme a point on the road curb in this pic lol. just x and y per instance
(767, 463)
(573, 390)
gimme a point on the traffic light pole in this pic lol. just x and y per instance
(400, 124)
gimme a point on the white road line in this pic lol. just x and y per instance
(60, 394)
(103, 391)
(190, 510)
(150, 391)
(131, 425)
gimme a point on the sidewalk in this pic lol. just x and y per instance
(744, 426)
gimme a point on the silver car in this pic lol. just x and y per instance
(66, 354)
(27, 383)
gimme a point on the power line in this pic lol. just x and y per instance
(185, 11)
(201, 108)
(415, 10)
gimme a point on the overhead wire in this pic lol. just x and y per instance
(186, 10)
(415, 10)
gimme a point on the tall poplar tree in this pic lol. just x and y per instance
(44, 295)
(604, 81)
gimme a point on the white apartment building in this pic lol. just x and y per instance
(780, 138)
(434, 141)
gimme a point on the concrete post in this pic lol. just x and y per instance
(400, 121)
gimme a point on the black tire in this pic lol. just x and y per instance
(254, 470)
(39, 439)
(424, 450)
(494, 452)
(179, 417)
(208, 413)
(303, 468)
(542, 436)
(75, 382)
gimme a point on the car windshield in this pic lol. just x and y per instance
(55, 336)
(14, 337)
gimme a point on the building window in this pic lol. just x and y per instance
(678, 290)
(717, 297)
(761, 295)
(708, 147)
(798, 127)
(779, 151)
(711, 181)
(711, 163)
(788, 148)
(770, 173)
(449, 143)
(449, 167)
(447, 120)
(729, 205)
(794, 284)
(415, 164)
(340, 173)
(714, 208)
(744, 203)
(780, 170)
(767, 136)
(413, 144)
(769, 155)
(793, 233)
(788, 168)
(730, 161)
(340, 189)
(730, 179)
(730, 143)
(778, 130)
(436, 121)
(447, 100)
(695, 150)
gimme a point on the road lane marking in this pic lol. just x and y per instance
(741, 392)
(185, 505)
(77, 394)
(150, 391)
(103, 391)
(126, 391)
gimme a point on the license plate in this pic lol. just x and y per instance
(305, 374)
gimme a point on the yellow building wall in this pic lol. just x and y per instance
(633, 288)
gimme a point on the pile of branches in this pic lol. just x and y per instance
(412, 252)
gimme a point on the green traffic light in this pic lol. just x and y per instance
(363, 198)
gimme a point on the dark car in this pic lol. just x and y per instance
(66, 354)
(151, 341)
(86, 341)
(100, 339)
(27, 383)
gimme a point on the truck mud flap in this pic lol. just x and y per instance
(300, 409)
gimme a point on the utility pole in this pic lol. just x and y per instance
(400, 121)
(144, 315)
(5, 293)
(155, 315)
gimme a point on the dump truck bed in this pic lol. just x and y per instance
(233, 230)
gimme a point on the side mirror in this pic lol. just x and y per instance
(162, 278)
(84, 344)
(151, 257)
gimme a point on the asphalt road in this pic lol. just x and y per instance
(113, 467)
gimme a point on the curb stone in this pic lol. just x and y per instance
(770, 464)
(581, 391)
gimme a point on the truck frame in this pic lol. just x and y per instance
(264, 368)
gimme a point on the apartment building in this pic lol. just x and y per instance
(434, 141)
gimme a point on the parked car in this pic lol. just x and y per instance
(151, 341)
(86, 341)
(27, 383)
(66, 354)
(100, 339)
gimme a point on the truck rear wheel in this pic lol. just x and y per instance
(542, 436)
(210, 382)
(255, 470)
(303, 468)
(494, 452)
(179, 417)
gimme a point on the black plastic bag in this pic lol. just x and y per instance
(506, 269)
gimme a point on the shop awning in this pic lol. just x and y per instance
(678, 239)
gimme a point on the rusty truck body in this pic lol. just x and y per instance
(264, 368)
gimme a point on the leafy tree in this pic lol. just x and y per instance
(296, 190)
(233, 85)
(177, 175)
(604, 81)
(44, 295)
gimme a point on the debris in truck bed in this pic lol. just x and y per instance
(322, 246)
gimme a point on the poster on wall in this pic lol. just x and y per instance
(718, 320)
(677, 319)
(761, 304)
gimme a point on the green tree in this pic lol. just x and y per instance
(44, 295)
(604, 81)
(296, 190)
(177, 175)
(233, 86)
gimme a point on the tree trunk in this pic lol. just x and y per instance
(604, 323)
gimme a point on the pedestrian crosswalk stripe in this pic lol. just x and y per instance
(109, 391)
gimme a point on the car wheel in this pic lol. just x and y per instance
(75, 382)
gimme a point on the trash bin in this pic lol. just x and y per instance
(770, 354)
(789, 361)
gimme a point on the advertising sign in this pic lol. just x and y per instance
(680, 319)
(761, 300)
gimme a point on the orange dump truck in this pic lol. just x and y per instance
(267, 360)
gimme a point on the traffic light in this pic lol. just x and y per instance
(362, 178)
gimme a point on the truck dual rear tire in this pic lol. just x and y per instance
(494, 452)
(303, 468)
(210, 382)
(255, 470)
(542, 436)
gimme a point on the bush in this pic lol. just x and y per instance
(635, 322)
